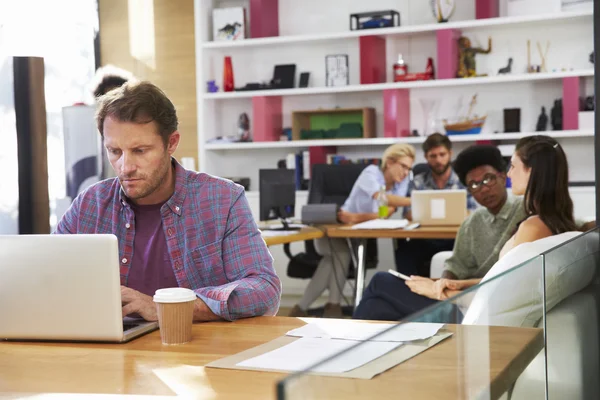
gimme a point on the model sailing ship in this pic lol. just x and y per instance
(466, 125)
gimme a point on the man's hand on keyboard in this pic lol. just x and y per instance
(138, 303)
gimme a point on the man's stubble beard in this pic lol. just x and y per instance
(154, 182)
(446, 167)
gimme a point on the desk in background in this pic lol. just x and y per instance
(146, 367)
(308, 233)
(339, 231)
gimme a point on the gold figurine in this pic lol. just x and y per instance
(466, 57)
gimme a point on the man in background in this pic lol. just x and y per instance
(106, 79)
(413, 256)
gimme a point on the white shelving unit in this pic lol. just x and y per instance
(402, 30)
(306, 46)
(436, 83)
(312, 29)
(301, 144)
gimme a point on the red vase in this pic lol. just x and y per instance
(228, 83)
(430, 70)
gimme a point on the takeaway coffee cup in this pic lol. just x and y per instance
(175, 308)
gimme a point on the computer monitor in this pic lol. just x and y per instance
(277, 194)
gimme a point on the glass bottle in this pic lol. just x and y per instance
(382, 202)
(400, 69)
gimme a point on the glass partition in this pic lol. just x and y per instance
(571, 323)
(472, 346)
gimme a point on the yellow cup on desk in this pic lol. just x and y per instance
(175, 309)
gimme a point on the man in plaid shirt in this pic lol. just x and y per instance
(175, 227)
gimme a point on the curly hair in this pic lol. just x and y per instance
(476, 156)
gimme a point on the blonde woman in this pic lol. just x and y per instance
(361, 205)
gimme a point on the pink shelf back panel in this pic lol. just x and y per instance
(396, 112)
(447, 53)
(372, 60)
(318, 154)
(264, 18)
(487, 9)
(570, 100)
(267, 120)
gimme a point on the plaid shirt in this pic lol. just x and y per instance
(424, 181)
(215, 246)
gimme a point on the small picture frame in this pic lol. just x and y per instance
(336, 70)
(229, 24)
(304, 77)
(284, 76)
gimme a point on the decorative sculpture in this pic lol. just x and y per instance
(466, 57)
(244, 128)
(542, 121)
(507, 69)
(443, 9)
(556, 117)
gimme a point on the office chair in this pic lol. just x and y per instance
(329, 184)
(419, 169)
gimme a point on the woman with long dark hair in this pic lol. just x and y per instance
(540, 172)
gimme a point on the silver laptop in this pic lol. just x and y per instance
(439, 207)
(63, 287)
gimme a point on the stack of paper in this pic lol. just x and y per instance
(277, 233)
(382, 224)
(350, 344)
(356, 330)
(305, 353)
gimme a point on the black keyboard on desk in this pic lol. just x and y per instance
(129, 325)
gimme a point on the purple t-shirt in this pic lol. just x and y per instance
(151, 267)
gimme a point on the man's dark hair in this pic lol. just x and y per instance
(436, 140)
(476, 156)
(108, 83)
(140, 103)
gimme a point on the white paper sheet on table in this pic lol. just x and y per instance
(357, 330)
(382, 224)
(266, 233)
(307, 352)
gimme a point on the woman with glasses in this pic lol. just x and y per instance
(362, 205)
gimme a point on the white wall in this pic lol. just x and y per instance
(9, 176)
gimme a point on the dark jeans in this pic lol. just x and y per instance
(388, 298)
(413, 257)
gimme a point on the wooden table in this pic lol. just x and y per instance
(344, 231)
(301, 235)
(441, 232)
(496, 357)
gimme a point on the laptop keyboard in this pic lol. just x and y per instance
(129, 325)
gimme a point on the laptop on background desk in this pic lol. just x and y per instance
(439, 207)
(63, 287)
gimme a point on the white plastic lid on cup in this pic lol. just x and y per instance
(174, 295)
